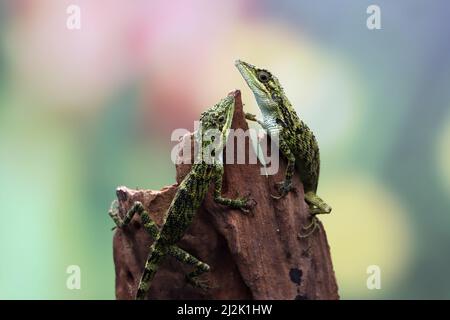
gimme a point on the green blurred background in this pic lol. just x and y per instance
(83, 111)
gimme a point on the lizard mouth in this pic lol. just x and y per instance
(248, 72)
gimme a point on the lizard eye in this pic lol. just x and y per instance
(263, 76)
(221, 119)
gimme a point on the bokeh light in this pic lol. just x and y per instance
(368, 226)
(443, 154)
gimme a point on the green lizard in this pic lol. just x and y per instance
(188, 198)
(295, 140)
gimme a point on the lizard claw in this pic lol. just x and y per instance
(114, 208)
(314, 225)
(283, 189)
(114, 214)
(249, 203)
(244, 210)
(197, 283)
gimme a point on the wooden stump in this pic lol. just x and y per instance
(255, 256)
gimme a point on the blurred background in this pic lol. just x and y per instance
(84, 111)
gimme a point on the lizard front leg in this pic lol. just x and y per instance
(286, 185)
(252, 117)
(244, 203)
(147, 222)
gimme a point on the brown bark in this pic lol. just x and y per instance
(255, 256)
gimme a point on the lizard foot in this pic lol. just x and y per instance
(114, 212)
(197, 283)
(283, 189)
(247, 203)
(313, 226)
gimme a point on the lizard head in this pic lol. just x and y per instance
(267, 89)
(217, 120)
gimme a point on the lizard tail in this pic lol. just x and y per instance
(154, 258)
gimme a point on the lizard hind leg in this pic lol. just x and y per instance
(200, 267)
(157, 253)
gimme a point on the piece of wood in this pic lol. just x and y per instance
(255, 256)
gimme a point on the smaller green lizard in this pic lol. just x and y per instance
(188, 198)
(295, 140)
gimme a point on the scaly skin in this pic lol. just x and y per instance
(295, 140)
(187, 200)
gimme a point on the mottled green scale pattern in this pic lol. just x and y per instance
(303, 145)
(187, 200)
(296, 141)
